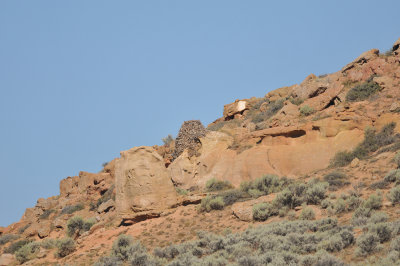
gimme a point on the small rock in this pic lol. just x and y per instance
(395, 107)
(6, 259)
(106, 206)
(355, 162)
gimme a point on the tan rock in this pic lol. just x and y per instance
(244, 210)
(395, 107)
(277, 94)
(235, 108)
(106, 206)
(143, 184)
(355, 162)
(7, 259)
(60, 221)
(362, 59)
(91, 183)
(44, 230)
(69, 186)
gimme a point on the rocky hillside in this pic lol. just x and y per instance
(306, 175)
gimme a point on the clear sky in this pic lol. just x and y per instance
(82, 80)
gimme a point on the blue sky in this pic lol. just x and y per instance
(82, 80)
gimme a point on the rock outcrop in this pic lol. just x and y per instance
(143, 184)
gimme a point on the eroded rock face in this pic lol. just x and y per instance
(143, 184)
(237, 107)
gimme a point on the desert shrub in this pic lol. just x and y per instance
(296, 100)
(367, 243)
(353, 202)
(362, 91)
(394, 195)
(315, 192)
(361, 215)
(167, 140)
(382, 184)
(340, 206)
(336, 180)
(65, 247)
(307, 214)
(212, 203)
(22, 229)
(374, 201)
(264, 185)
(372, 141)
(393, 176)
(109, 261)
(4, 239)
(262, 211)
(395, 244)
(382, 230)
(121, 246)
(49, 243)
(17, 245)
(306, 110)
(332, 243)
(27, 252)
(378, 217)
(216, 185)
(72, 209)
(181, 191)
(342, 158)
(46, 214)
(272, 109)
(396, 159)
(325, 204)
(76, 225)
(88, 224)
(231, 196)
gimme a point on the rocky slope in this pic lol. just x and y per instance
(162, 195)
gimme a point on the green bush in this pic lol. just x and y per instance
(374, 201)
(397, 159)
(72, 209)
(362, 91)
(336, 180)
(340, 206)
(17, 245)
(394, 195)
(307, 214)
(120, 248)
(353, 202)
(361, 215)
(306, 110)
(181, 191)
(264, 185)
(167, 140)
(49, 243)
(342, 158)
(46, 214)
(382, 230)
(212, 203)
(216, 185)
(262, 211)
(65, 247)
(393, 176)
(372, 142)
(76, 226)
(4, 239)
(27, 252)
(272, 109)
(367, 244)
(315, 192)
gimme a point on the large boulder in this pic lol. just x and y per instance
(284, 151)
(237, 107)
(143, 184)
